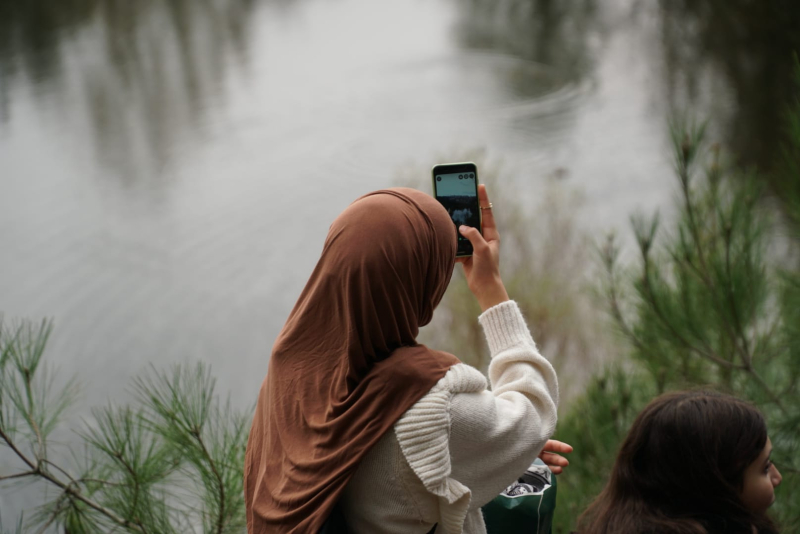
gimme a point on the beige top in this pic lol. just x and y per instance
(461, 444)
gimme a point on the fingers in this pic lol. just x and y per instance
(556, 470)
(553, 445)
(487, 217)
(474, 236)
(489, 230)
(554, 461)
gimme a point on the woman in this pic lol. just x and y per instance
(358, 421)
(693, 462)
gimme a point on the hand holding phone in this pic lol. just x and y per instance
(455, 185)
(482, 268)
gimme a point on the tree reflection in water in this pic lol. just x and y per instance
(556, 33)
(749, 43)
(144, 70)
(726, 60)
(147, 71)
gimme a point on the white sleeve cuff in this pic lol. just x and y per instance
(504, 327)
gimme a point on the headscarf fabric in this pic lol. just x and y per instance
(346, 365)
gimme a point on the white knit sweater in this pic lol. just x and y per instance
(461, 444)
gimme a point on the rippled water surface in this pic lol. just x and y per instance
(168, 170)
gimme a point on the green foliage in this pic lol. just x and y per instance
(709, 304)
(702, 310)
(787, 175)
(133, 464)
(184, 412)
(138, 460)
(594, 425)
(29, 403)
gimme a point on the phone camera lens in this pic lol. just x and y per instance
(438, 178)
(460, 176)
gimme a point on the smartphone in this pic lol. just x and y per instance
(455, 186)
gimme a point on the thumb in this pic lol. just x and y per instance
(473, 235)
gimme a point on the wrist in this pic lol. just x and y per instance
(492, 295)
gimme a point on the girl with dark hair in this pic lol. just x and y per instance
(694, 462)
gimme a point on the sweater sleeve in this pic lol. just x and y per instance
(465, 442)
(495, 435)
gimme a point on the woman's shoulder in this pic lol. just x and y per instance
(462, 378)
(434, 407)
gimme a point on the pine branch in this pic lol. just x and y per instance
(84, 481)
(20, 454)
(136, 486)
(220, 484)
(653, 302)
(747, 357)
(18, 475)
(688, 150)
(63, 472)
(41, 453)
(139, 452)
(68, 488)
(609, 255)
(179, 408)
(772, 395)
(53, 517)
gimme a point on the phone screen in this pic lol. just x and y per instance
(456, 188)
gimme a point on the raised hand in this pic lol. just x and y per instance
(482, 269)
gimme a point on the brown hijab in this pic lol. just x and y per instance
(346, 365)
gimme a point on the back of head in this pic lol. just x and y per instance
(680, 469)
(346, 365)
(385, 265)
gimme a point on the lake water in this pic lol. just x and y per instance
(168, 174)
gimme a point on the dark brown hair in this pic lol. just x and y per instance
(681, 469)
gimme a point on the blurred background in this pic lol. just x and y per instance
(169, 168)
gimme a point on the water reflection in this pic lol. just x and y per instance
(748, 44)
(556, 33)
(726, 60)
(145, 71)
(31, 34)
